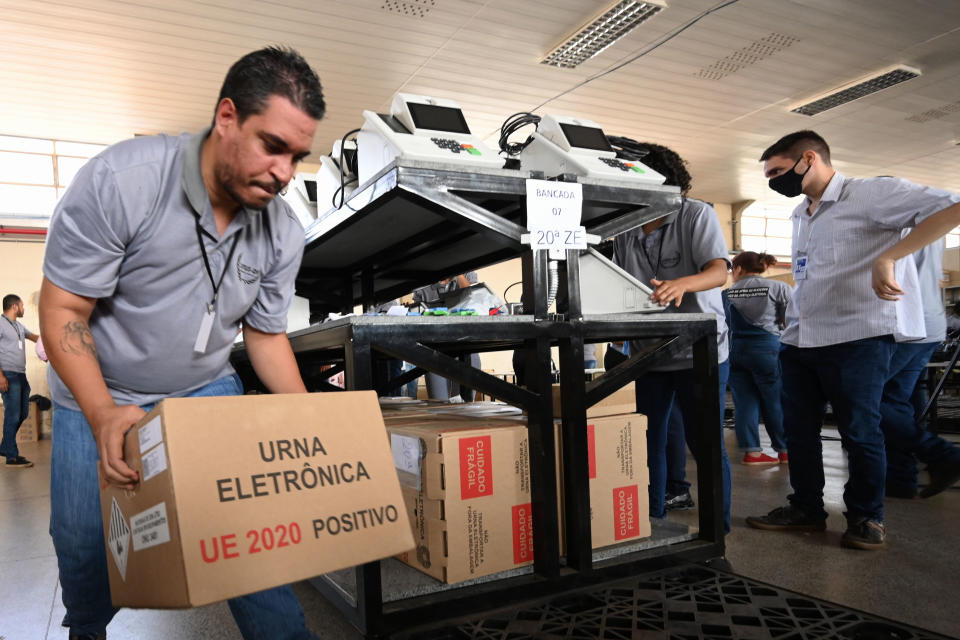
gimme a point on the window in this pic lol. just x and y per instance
(767, 229)
(34, 173)
(953, 238)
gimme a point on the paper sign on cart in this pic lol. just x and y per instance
(554, 210)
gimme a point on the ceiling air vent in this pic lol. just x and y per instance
(410, 8)
(601, 32)
(857, 89)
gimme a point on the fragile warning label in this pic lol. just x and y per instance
(476, 474)
(626, 521)
(522, 533)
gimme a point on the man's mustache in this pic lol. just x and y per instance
(274, 187)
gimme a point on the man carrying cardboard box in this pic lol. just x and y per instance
(156, 254)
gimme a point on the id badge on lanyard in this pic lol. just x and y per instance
(800, 266)
(206, 322)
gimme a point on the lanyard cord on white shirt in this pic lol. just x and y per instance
(206, 262)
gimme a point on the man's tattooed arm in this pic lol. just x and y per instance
(77, 339)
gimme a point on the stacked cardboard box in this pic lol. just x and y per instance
(465, 480)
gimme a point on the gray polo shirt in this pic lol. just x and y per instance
(681, 246)
(125, 234)
(13, 352)
(855, 221)
(761, 301)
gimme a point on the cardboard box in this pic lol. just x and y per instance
(621, 401)
(467, 491)
(30, 428)
(617, 467)
(240, 494)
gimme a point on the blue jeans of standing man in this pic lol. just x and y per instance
(677, 454)
(658, 392)
(906, 441)
(755, 384)
(851, 376)
(77, 530)
(16, 405)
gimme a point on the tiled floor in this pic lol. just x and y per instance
(916, 580)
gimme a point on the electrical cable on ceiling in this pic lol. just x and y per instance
(656, 45)
(513, 124)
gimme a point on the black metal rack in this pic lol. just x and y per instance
(418, 225)
(412, 225)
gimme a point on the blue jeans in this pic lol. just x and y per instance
(658, 392)
(676, 454)
(77, 530)
(851, 376)
(905, 440)
(16, 405)
(755, 384)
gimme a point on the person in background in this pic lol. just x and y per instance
(14, 388)
(906, 441)
(677, 496)
(756, 313)
(953, 320)
(438, 387)
(159, 249)
(589, 356)
(847, 312)
(683, 256)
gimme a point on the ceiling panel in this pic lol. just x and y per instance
(102, 70)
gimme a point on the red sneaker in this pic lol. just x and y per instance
(783, 458)
(758, 458)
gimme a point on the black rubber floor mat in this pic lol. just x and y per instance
(688, 603)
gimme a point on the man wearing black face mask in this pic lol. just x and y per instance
(840, 335)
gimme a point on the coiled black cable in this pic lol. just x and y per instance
(627, 148)
(513, 124)
(341, 191)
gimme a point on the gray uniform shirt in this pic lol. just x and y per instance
(681, 246)
(762, 302)
(855, 221)
(13, 353)
(125, 234)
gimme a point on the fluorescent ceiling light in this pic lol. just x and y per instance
(601, 32)
(857, 89)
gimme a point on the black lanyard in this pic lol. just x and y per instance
(15, 329)
(663, 233)
(206, 263)
(643, 247)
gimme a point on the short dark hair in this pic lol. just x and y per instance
(795, 144)
(9, 300)
(753, 262)
(273, 71)
(667, 162)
